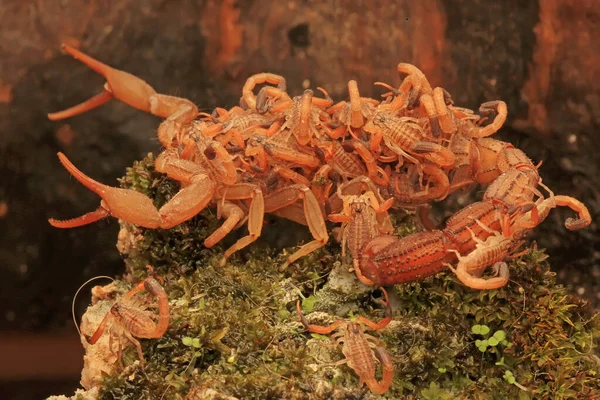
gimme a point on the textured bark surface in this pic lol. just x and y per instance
(539, 58)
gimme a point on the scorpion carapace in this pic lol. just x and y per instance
(303, 157)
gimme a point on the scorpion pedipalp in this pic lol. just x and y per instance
(122, 86)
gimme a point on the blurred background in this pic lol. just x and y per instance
(538, 56)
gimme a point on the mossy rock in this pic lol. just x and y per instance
(234, 331)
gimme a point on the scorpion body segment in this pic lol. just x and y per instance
(364, 216)
(386, 260)
(493, 251)
(461, 226)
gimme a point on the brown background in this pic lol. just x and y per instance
(539, 57)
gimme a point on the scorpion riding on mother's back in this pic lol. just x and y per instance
(306, 159)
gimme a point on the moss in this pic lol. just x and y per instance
(234, 329)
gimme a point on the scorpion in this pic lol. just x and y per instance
(204, 166)
(286, 156)
(131, 320)
(388, 260)
(500, 245)
(357, 347)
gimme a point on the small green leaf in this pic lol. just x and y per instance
(283, 314)
(493, 341)
(434, 392)
(478, 343)
(476, 329)
(196, 343)
(500, 335)
(509, 377)
(484, 330)
(308, 304)
(187, 341)
(482, 349)
(317, 336)
(442, 370)
(505, 342)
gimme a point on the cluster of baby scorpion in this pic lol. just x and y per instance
(309, 160)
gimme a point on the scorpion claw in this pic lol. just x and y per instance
(85, 219)
(124, 204)
(122, 86)
(119, 84)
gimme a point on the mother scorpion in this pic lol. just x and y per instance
(205, 168)
(421, 148)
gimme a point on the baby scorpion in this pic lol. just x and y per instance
(356, 346)
(132, 320)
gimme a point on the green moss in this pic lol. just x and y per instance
(234, 329)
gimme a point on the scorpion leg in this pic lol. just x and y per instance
(122, 86)
(316, 224)
(137, 344)
(256, 215)
(322, 330)
(100, 329)
(385, 321)
(233, 215)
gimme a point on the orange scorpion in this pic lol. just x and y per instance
(132, 320)
(356, 347)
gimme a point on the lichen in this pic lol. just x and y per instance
(234, 329)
